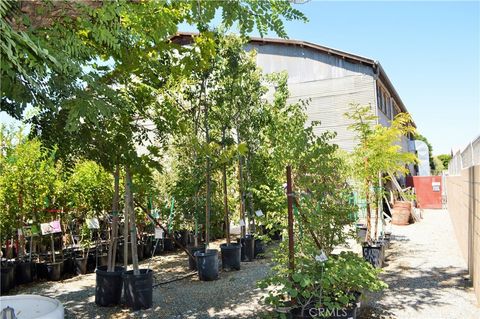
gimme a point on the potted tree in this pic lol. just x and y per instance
(378, 152)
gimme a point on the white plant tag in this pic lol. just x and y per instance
(20, 232)
(93, 223)
(322, 257)
(259, 213)
(158, 233)
(242, 222)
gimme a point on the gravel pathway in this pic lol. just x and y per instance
(425, 274)
(234, 295)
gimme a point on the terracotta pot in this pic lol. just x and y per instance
(401, 213)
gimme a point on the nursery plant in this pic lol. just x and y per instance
(377, 153)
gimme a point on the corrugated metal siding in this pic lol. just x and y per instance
(304, 64)
(330, 100)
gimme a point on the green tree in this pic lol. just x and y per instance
(377, 152)
(445, 159)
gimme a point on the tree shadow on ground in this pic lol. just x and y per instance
(233, 295)
(412, 287)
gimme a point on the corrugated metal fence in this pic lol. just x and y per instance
(470, 156)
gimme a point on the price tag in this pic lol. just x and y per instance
(242, 222)
(158, 233)
(322, 257)
(93, 223)
(51, 228)
(259, 213)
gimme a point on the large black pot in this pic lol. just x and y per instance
(192, 263)
(138, 289)
(249, 247)
(231, 254)
(68, 266)
(41, 270)
(140, 254)
(23, 273)
(108, 286)
(80, 266)
(54, 271)
(168, 244)
(147, 248)
(373, 254)
(207, 264)
(7, 276)
(259, 248)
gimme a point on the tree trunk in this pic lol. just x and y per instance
(240, 189)
(126, 217)
(112, 249)
(133, 226)
(225, 194)
(207, 202)
(252, 227)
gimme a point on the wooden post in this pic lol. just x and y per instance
(291, 257)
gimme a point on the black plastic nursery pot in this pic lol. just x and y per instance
(41, 269)
(102, 260)
(68, 266)
(147, 249)
(259, 248)
(138, 289)
(7, 278)
(249, 247)
(373, 254)
(168, 244)
(108, 287)
(91, 264)
(207, 264)
(140, 253)
(23, 272)
(231, 254)
(80, 266)
(54, 271)
(192, 263)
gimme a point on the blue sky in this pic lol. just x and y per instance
(430, 51)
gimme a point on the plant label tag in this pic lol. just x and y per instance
(51, 228)
(242, 223)
(158, 233)
(19, 232)
(93, 223)
(322, 257)
(259, 213)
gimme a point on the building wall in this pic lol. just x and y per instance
(463, 195)
(330, 84)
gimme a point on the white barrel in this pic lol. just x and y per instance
(33, 307)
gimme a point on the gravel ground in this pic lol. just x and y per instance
(234, 295)
(426, 274)
(424, 269)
